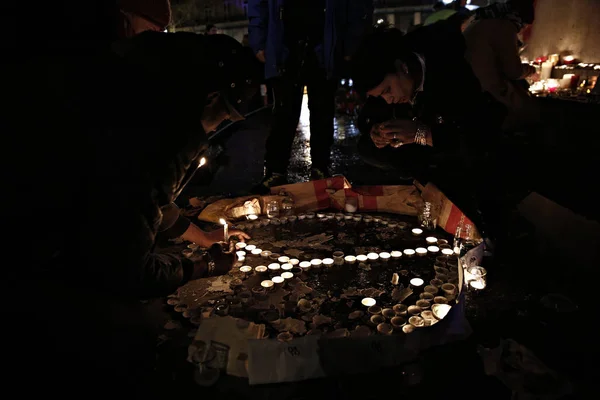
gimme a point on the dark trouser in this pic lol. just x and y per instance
(288, 91)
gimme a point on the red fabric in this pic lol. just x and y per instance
(321, 193)
(155, 11)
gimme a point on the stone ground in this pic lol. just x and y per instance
(510, 307)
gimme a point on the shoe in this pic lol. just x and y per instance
(269, 181)
(317, 174)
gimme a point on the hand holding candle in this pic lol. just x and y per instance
(225, 229)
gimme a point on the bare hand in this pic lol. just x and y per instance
(261, 56)
(394, 132)
(217, 236)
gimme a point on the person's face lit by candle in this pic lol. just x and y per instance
(396, 87)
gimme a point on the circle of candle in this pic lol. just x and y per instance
(368, 302)
(256, 251)
(440, 300)
(294, 261)
(328, 262)
(424, 304)
(287, 275)
(433, 249)
(477, 284)
(267, 284)
(421, 251)
(417, 282)
(440, 310)
(274, 267)
(261, 269)
(385, 328)
(316, 262)
(431, 289)
(305, 265)
(431, 239)
(265, 254)
(417, 231)
(246, 269)
(409, 252)
(286, 267)
(278, 279)
(447, 252)
(396, 254)
(361, 258)
(414, 310)
(283, 259)
(373, 256)
(350, 259)
(408, 328)
(384, 256)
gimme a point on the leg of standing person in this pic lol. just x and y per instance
(321, 103)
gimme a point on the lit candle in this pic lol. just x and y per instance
(328, 262)
(433, 249)
(396, 254)
(265, 254)
(261, 269)
(256, 251)
(316, 262)
(478, 284)
(361, 258)
(202, 162)
(408, 328)
(294, 261)
(447, 252)
(416, 282)
(320, 215)
(417, 231)
(287, 267)
(373, 256)
(368, 302)
(283, 259)
(385, 256)
(409, 252)
(241, 254)
(278, 279)
(267, 284)
(350, 259)
(431, 240)
(240, 245)
(440, 310)
(250, 247)
(252, 217)
(339, 216)
(225, 229)
(246, 269)
(274, 267)
(305, 265)
(287, 275)
(421, 251)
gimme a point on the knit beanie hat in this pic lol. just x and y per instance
(156, 11)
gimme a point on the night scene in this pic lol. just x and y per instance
(300, 199)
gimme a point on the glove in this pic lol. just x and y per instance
(218, 260)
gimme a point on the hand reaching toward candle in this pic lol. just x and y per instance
(217, 236)
(206, 239)
(394, 133)
(219, 260)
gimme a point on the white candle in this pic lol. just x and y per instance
(416, 282)
(546, 70)
(368, 302)
(266, 254)
(256, 251)
(240, 245)
(283, 259)
(287, 275)
(286, 267)
(261, 269)
(225, 229)
(433, 249)
(395, 279)
(316, 262)
(250, 247)
(252, 217)
(267, 284)
(431, 239)
(440, 310)
(294, 261)
(478, 284)
(447, 252)
(240, 253)
(396, 254)
(320, 215)
(350, 259)
(361, 258)
(274, 267)
(246, 269)
(372, 256)
(305, 265)
(409, 252)
(278, 279)
(417, 231)
(384, 256)
(421, 251)
(328, 262)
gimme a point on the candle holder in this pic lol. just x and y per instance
(286, 267)
(292, 218)
(274, 267)
(408, 329)
(433, 250)
(310, 215)
(384, 222)
(428, 317)
(477, 284)
(287, 275)
(316, 263)
(305, 266)
(409, 253)
(396, 255)
(389, 313)
(440, 310)
(283, 259)
(428, 297)
(250, 247)
(258, 291)
(278, 280)
(440, 300)
(400, 309)
(384, 256)
(392, 225)
(274, 257)
(265, 254)
(361, 258)
(339, 216)
(267, 284)
(261, 269)
(240, 245)
(414, 310)
(398, 323)
(416, 321)
(376, 319)
(431, 240)
(320, 215)
(357, 218)
(350, 259)
(294, 261)
(421, 251)
(441, 270)
(416, 283)
(449, 289)
(256, 252)
(436, 282)
(251, 217)
(368, 219)
(402, 225)
(246, 270)
(372, 256)
(374, 310)
(417, 231)
(424, 304)
(327, 262)
(385, 328)
(348, 217)
(431, 289)
(301, 216)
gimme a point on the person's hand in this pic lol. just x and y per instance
(261, 56)
(223, 255)
(394, 132)
(217, 235)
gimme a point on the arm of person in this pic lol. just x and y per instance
(507, 53)
(258, 22)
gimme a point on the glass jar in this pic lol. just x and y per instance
(272, 209)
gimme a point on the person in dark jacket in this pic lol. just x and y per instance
(425, 108)
(300, 43)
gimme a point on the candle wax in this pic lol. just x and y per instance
(368, 302)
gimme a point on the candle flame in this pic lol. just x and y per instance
(222, 221)
(202, 162)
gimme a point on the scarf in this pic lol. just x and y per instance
(500, 10)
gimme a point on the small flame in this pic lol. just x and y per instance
(569, 58)
(222, 221)
(202, 162)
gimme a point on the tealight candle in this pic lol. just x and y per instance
(385, 256)
(310, 215)
(292, 218)
(320, 215)
(447, 252)
(278, 279)
(256, 251)
(328, 262)
(250, 247)
(339, 216)
(294, 261)
(350, 259)
(286, 267)
(396, 254)
(478, 284)
(361, 258)
(368, 302)
(440, 310)
(433, 249)
(266, 254)
(408, 328)
(261, 269)
(240, 245)
(373, 256)
(274, 267)
(246, 269)
(409, 252)
(305, 265)
(431, 240)
(417, 282)
(283, 259)
(316, 262)
(421, 251)
(240, 253)
(417, 231)
(287, 275)
(252, 217)
(357, 218)
(267, 284)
